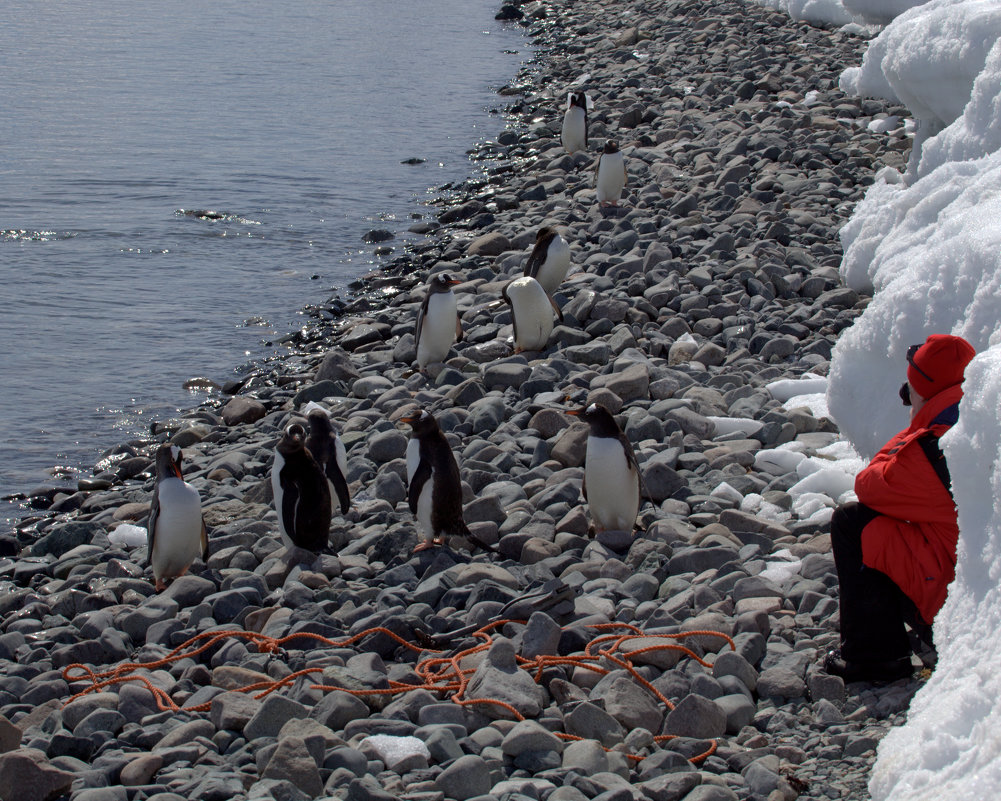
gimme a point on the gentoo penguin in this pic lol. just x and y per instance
(550, 259)
(611, 175)
(437, 321)
(434, 488)
(302, 496)
(611, 478)
(327, 449)
(531, 313)
(574, 134)
(176, 530)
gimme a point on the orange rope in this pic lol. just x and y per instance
(438, 674)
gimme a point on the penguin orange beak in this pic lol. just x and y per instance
(454, 282)
(177, 470)
(573, 412)
(411, 419)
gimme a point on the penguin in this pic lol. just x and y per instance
(176, 529)
(611, 175)
(550, 259)
(610, 472)
(434, 489)
(302, 495)
(438, 323)
(531, 313)
(574, 133)
(325, 446)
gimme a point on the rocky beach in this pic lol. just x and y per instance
(678, 663)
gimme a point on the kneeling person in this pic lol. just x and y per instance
(895, 550)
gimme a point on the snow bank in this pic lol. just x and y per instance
(842, 12)
(929, 244)
(818, 12)
(949, 747)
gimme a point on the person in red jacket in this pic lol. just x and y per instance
(895, 549)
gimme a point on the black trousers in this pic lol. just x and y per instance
(873, 608)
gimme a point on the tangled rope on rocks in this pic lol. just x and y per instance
(444, 674)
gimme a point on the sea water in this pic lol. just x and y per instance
(290, 120)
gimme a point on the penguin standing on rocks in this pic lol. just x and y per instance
(302, 495)
(611, 477)
(611, 175)
(574, 134)
(531, 313)
(550, 259)
(438, 325)
(176, 530)
(325, 446)
(434, 489)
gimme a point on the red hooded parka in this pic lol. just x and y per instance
(913, 540)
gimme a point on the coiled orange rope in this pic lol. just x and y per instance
(438, 674)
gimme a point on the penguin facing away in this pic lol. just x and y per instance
(610, 175)
(325, 446)
(175, 530)
(550, 259)
(611, 477)
(302, 495)
(434, 489)
(438, 325)
(573, 137)
(531, 313)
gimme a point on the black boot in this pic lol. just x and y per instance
(837, 665)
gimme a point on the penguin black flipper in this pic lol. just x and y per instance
(557, 309)
(205, 543)
(154, 514)
(340, 485)
(422, 475)
(421, 314)
(290, 502)
(627, 446)
(631, 462)
(514, 319)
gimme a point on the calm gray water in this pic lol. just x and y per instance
(290, 118)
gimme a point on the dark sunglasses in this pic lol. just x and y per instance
(911, 351)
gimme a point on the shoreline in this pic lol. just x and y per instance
(722, 241)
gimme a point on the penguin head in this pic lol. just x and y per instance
(168, 462)
(578, 99)
(292, 440)
(319, 423)
(443, 282)
(544, 234)
(421, 421)
(611, 147)
(599, 418)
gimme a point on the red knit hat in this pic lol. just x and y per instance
(938, 364)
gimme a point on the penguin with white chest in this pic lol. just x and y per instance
(531, 313)
(438, 326)
(550, 259)
(611, 175)
(611, 477)
(434, 489)
(573, 136)
(176, 530)
(302, 495)
(326, 447)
